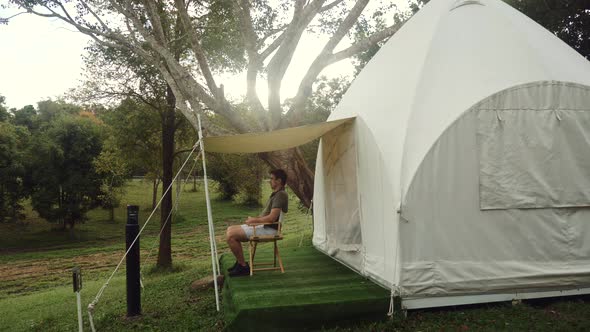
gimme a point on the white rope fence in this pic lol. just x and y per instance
(168, 217)
(92, 304)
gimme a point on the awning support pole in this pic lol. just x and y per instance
(214, 262)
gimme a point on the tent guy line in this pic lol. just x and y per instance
(92, 304)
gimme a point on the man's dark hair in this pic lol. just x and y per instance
(280, 174)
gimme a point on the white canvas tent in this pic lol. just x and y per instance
(465, 176)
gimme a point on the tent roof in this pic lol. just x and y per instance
(271, 141)
(449, 56)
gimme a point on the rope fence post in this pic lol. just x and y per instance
(214, 262)
(77, 279)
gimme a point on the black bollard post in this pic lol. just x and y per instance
(132, 262)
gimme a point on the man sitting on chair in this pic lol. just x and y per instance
(237, 234)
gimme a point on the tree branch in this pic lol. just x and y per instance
(280, 61)
(344, 27)
(196, 47)
(248, 33)
(330, 5)
(269, 34)
(366, 43)
(95, 15)
(183, 85)
(92, 33)
(254, 60)
(321, 61)
(272, 47)
(156, 22)
(4, 20)
(324, 60)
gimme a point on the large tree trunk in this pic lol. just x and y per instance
(299, 176)
(168, 129)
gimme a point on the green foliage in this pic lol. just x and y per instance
(134, 130)
(63, 179)
(112, 165)
(134, 134)
(49, 110)
(4, 115)
(326, 96)
(237, 174)
(223, 41)
(26, 117)
(569, 20)
(13, 142)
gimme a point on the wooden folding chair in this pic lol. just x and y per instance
(255, 239)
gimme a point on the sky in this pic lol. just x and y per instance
(41, 58)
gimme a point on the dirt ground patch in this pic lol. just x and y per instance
(34, 274)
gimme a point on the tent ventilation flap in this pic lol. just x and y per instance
(461, 3)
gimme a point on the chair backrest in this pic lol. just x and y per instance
(281, 218)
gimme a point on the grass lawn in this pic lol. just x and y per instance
(36, 292)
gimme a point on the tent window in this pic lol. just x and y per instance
(533, 158)
(343, 229)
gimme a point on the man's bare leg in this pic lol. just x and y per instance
(235, 236)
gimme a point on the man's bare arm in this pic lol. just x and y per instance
(268, 219)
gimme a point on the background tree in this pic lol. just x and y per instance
(13, 141)
(112, 165)
(117, 74)
(63, 179)
(237, 174)
(267, 34)
(134, 129)
(4, 115)
(137, 130)
(568, 20)
(26, 117)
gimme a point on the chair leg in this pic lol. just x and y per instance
(275, 255)
(251, 259)
(254, 252)
(279, 257)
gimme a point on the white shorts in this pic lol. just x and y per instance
(260, 230)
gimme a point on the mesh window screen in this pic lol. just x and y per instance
(343, 228)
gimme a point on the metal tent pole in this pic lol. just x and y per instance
(209, 217)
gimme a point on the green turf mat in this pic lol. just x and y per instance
(314, 292)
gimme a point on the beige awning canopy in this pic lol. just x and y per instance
(270, 141)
